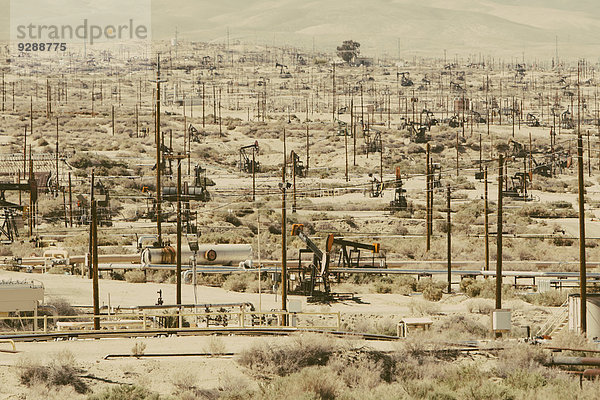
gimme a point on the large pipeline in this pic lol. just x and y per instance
(207, 254)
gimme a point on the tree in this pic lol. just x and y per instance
(348, 51)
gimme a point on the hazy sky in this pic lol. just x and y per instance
(507, 27)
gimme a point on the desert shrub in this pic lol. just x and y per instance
(420, 307)
(485, 288)
(310, 383)
(138, 349)
(266, 361)
(135, 276)
(62, 306)
(233, 220)
(60, 371)
(480, 306)
(275, 229)
(125, 392)
(520, 356)
(239, 282)
(462, 325)
(215, 345)
(432, 293)
(553, 298)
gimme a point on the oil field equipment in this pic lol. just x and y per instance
(194, 134)
(104, 214)
(399, 203)
(197, 192)
(248, 161)
(349, 253)
(372, 141)
(405, 81)
(418, 132)
(314, 280)
(376, 187)
(208, 254)
(295, 166)
(342, 129)
(532, 120)
(11, 214)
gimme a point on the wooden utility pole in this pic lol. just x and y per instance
(113, 119)
(283, 239)
(91, 239)
(456, 153)
(353, 130)
(427, 200)
(582, 262)
(294, 203)
(158, 155)
(449, 245)
(56, 163)
(31, 195)
(499, 235)
(253, 174)
(179, 158)
(486, 221)
(346, 152)
(70, 202)
(94, 256)
(333, 110)
(307, 149)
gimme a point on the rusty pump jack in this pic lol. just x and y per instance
(349, 255)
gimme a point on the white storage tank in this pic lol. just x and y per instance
(592, 314)
(208, 254)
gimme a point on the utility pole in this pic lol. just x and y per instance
(449, 246)
(158, 151)
(499, 236)
(333, 111)
(70, 202)
(94, 257)
(486, 219)
(253, 174)
(294, 204)
(56, 163)
(91, 239)
(456, 153)
(283, 241)
(179, 159)
(582, 263)
(427, 200)
(307, 149)
(346, 152)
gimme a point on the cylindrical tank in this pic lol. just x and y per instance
(592, 314)
(208, 254)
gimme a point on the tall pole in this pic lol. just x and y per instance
(56, 164)
(353, 129)
(95, 266)
(428, 196)
(158, 163)
(307, 149)
(582, 264)
(253, 174)
(449, 246)
(91, 245)
(486, 220)
(283, 241)
(178, 272)
(294, 204)
(346, 152)
(499, 235)
(70, 202)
